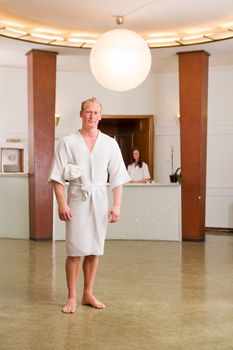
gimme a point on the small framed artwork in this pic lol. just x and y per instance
(12, 160)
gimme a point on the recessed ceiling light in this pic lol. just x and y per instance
(226, 25)
(86, 35)
(13, 24)
(198, 30)
(81, 40)
(16, 31)
(155, 35)
(49, 37)
(161, 40)
(192, 37)
(47, 30)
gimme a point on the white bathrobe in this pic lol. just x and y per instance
(87, 173)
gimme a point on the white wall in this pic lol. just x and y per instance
(158, 95)
(219, 204)
(13, 109)
(73, 88)
(167, 125)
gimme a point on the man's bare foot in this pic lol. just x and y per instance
(90, 300)
(70, 306)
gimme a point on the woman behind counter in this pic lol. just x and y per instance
(137, 169)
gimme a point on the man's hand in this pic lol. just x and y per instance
(114, 214)
(64, 212)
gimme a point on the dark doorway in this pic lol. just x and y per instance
(132, 131)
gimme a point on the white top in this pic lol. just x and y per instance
(136, 173)
(87, 195)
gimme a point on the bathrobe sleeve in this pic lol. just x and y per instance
(118, 174)
(59, 163)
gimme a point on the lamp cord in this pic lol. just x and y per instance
(139, 8)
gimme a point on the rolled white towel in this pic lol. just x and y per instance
(72, 172)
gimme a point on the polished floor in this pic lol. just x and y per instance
(159, 296)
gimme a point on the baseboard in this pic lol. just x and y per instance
(219, 230)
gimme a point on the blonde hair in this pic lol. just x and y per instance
(90, 100)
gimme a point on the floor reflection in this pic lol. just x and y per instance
(159, 295)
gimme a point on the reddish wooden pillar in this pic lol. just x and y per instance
(41, 111)
(193, 80)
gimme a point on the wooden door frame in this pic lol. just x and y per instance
(151, 119)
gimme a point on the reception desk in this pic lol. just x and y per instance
(14, 210)
(149, 212)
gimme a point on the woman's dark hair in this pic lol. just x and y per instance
(139, 163)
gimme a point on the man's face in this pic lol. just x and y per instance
(91, 115)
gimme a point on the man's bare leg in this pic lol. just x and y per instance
(90, 264)
(72, 272)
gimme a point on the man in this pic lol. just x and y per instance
(86, 158)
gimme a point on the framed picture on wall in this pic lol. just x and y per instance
(12, 160)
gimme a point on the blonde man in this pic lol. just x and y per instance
(86, 158)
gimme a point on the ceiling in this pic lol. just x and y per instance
(90, 18)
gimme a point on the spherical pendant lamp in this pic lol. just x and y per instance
(120, 60)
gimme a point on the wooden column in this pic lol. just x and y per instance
(193, 80)
(41, 111)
